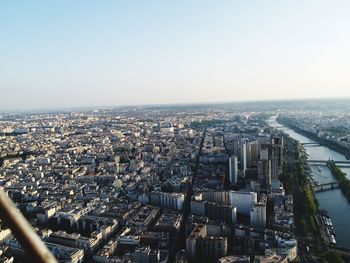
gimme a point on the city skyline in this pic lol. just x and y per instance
(175, 131)
(164, 183)
(67, 54)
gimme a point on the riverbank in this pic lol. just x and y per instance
(325, 227)
(339, 213)
(341, 178)
(322, 141)
(295, 181)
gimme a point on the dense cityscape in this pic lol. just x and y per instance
(191, 183)
(174, 131)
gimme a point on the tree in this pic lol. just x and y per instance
(334, 257)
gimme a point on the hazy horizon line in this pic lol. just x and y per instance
(146, 105)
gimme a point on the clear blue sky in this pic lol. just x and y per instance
(83, 53)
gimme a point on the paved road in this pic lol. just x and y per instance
(181, 238)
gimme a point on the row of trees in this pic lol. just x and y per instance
(294, 179)
(341, 177)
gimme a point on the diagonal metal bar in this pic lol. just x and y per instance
(23, 231)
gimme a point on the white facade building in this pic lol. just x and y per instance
(233, 169)
(244, 155)
(258, 215)
(243, 201)
(172, 200)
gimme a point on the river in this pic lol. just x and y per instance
(333, 201)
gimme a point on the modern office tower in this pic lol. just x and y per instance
(249, 150)
(236, 147)
(191, 241)
(243, 158)
(202, 247)
(221, 197)
(275, 172)
(258, 215)
(211, 248)
(243, 201)
(277, 156)
(264, 172)
(215, 206)
(220, 212)
(263, 139)
(264, 153)
(252, 154)
(233, 169)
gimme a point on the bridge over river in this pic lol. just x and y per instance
(311, 144)
(326, 186)
(325, 162)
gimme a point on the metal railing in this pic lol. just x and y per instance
(23, 232)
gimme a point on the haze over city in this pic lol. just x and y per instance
(87, 53)
(187, 131)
